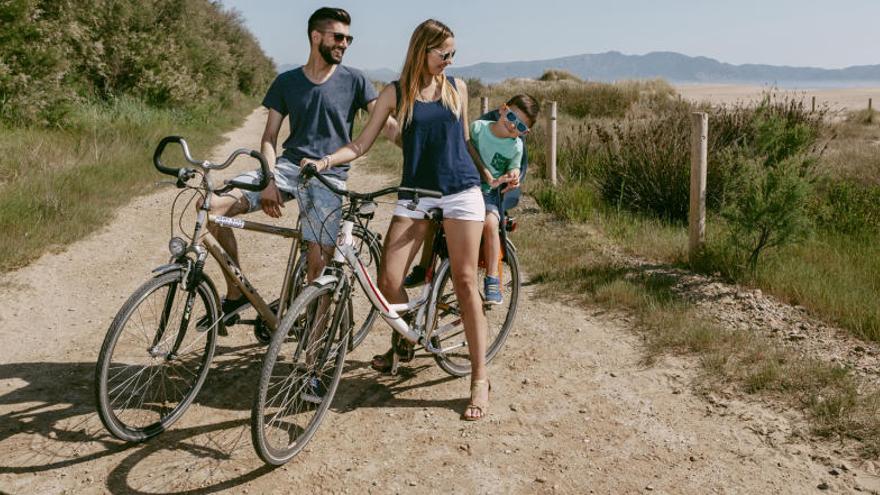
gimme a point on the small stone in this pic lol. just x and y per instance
(582, 411)
(412, 483)
(650, 488)
(508, 451)
(823, 486)
(53, 435)
(525, 381)
(834, 472)
(612, 374)
(514, 407)
(693, 459)
(540, 480)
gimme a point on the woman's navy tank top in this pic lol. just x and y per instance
(435, 154)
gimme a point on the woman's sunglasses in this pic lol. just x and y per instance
(444, 56)
(338, 37)
(520, 125)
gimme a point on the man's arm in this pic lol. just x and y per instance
(270, 197)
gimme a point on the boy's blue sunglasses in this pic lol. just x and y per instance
(520, 125)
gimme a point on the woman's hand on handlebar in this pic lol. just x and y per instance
(270, 200)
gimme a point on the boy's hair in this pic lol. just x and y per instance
(321, 16)
(528, 105)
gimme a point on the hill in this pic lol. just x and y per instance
(674, 67)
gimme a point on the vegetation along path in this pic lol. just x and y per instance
(575, 409)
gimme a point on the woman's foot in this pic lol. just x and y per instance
(479, 405)
(384, 362)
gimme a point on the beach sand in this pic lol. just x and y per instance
(836, 99)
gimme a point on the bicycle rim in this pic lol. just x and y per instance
(285, 414)
(146, 378)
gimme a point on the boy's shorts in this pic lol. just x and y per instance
(320, 209)
(465, 205)
(492, 199)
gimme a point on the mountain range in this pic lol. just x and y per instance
(674, 67)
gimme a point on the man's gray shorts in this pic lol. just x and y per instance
(319, 208)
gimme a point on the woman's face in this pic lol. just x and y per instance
(440, 57)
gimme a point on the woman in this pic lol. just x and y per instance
(431, 109)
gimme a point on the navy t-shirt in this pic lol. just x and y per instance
(321, 115)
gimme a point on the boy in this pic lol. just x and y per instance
(497, 149)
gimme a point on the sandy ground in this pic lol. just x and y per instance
(574, 409)
(836, 99)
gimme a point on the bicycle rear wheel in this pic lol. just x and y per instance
(449, 330)
(300, 374)
(155, 358)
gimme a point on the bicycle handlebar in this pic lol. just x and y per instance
(183, 173)
(311, 171)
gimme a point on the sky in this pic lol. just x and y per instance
(828, 34)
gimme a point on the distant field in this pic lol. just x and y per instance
(835, 98)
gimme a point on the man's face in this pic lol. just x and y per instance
(333, 42)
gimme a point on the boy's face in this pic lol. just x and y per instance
(516, 125)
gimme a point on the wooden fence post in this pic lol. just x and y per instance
(699, 159)
(551, 152)
(813, 108)
(870, 104)
(484, 104)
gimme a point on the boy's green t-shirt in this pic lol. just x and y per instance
(500, 155)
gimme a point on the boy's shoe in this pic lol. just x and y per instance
(415, 278)
(492, 290)
(313, 390)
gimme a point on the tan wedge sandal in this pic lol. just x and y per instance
(483, 409)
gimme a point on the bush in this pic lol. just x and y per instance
(167, 52)
(559, 75)
(768, 209)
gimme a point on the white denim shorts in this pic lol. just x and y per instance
(465, 205)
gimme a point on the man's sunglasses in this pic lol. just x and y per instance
(520, 125)
(444, 56)
(338, 37)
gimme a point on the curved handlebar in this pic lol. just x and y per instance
(310, 171)
(182, 173)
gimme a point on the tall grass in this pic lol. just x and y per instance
(57, 185)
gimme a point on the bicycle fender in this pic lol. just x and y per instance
(325, 279)
(170, 267)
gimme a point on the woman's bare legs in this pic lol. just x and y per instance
(463, 242)
(402, 242)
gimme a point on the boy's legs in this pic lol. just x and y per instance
(492, 248)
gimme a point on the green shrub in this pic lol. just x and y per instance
(768, 209)
(847, 207)
(558, 75)
(167, 52)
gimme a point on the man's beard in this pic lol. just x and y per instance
(326, 52)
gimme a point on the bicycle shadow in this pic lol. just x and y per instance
(49, 423)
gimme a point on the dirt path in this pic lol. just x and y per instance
(573, 411)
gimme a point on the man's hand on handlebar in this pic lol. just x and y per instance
(270, 200)
(319, 164)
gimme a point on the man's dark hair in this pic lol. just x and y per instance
(321, 16)
(527, 104)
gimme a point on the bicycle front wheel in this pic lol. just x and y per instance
(449, 330)
(300, 373)
(156, 356)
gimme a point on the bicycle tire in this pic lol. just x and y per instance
(281, 429)
(164, 356)
(499, 319)
(369, 249)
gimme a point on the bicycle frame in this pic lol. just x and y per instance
(205, 244)
(391, 313)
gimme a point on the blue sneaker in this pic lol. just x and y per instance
(313, 390)
(492, 290)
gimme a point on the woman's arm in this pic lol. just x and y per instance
(378, 118)
(463, 93)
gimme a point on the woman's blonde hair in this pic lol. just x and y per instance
(427, 36)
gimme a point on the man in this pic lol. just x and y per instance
(321, 99)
